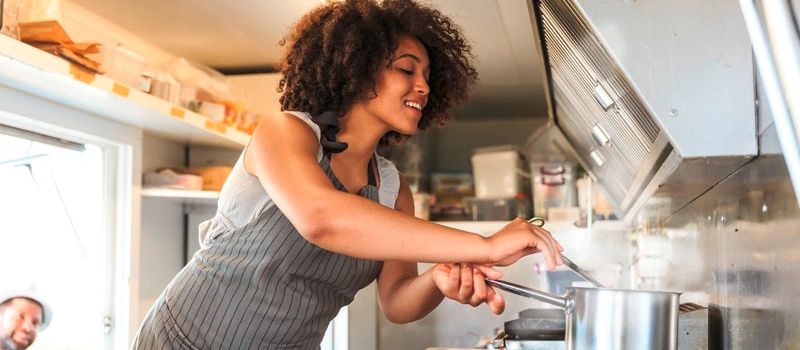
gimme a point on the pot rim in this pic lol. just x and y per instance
(643, 291)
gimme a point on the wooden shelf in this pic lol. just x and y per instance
(182, 196)
(27, 69)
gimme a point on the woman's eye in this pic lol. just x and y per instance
(406, 71)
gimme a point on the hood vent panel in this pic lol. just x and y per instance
(595, 96)
(597, 101)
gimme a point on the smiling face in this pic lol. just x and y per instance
(402, 88)
(20, 319)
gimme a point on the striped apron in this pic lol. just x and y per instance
(262, 286)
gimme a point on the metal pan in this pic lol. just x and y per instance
(606, 318)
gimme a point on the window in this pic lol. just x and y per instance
(54, 236)
(65, 208)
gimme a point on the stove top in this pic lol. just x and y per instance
(499, 343)
(537, 324)
(535, 329)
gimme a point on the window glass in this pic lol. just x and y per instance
(52, 210)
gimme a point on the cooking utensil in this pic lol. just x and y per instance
(606, 318)
(536, 220)
(539, 221)
(581, 272)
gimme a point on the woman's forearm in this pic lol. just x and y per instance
(410, 298)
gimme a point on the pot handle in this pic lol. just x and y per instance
(530, 293)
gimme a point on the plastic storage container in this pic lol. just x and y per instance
(553, 186)
(122, 65)
(499, 172)
(553, 170)
(491, 209)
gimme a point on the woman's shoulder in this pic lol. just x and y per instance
(276, 120)
(305, 117)
(283, 121)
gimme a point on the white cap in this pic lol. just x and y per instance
(47, 312)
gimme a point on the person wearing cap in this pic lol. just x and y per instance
(23, 314)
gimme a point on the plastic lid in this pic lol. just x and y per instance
(547, 144)
(497, 148)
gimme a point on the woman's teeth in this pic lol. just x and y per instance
(414, 105)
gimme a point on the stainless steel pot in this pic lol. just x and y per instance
(606, 318)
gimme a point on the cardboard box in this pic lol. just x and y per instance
(213, 176)
(451, 183)
(50, 37)
(167, 178)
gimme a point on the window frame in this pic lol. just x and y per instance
(122, 147)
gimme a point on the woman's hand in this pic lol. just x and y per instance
(520, 238)
(465, 283)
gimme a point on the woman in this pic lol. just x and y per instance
(310, 214)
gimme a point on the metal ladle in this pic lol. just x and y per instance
(539, 221)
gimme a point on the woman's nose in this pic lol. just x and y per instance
(422, 86)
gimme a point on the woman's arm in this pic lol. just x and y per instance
(282, 154)
(405, 296)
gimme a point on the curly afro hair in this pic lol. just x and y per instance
(333, 54)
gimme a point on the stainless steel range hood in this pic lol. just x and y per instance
(656, 98)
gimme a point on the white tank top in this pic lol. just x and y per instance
(242, 197)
